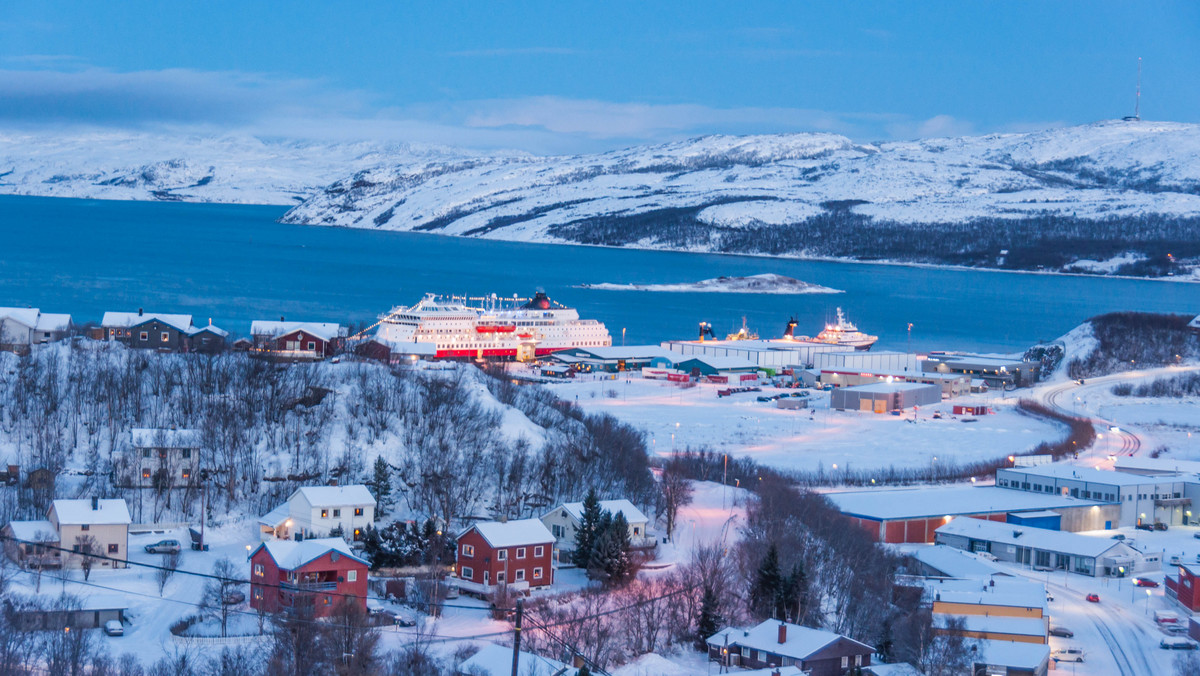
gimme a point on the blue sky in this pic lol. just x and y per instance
(557, 77)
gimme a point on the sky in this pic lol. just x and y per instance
(551, 77)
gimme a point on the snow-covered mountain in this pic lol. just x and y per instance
(232, 168)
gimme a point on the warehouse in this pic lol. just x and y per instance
(884, 397)
(912, 515)
(860, 360)
(994, 371)
(1143, 499)
(1043, 549)
(769, 354)
(951, 384)
(617, 358)
(716, 368)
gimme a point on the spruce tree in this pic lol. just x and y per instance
(583, 671)
(585, 537)
(620, 566)
(796, 595)
(605, 551)
(768, 586)
(708, 622)
(382, 483)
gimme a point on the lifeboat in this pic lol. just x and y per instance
(495, 328)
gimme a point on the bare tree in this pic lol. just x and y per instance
(676, 493)
(217, 591)
(86, 549)
(170, 561)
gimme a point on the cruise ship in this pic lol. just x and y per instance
(491, 327)
(842, 333)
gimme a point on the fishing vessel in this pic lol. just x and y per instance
(491, 326)
(843, 332)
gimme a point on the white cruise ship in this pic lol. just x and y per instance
(508, 328)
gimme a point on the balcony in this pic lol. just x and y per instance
(308, 586)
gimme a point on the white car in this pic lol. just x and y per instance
(987, 556)
(1071, 654)
(114, 628)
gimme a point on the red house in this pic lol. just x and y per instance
(296, 341)
(515, 553)
(325, 570)
(1182, 585)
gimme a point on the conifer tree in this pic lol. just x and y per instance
(585, 537)
(796, 595)
(382, 483)
(708, 622)
(768, 586)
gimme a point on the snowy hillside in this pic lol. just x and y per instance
(748, 194)
(235, 169)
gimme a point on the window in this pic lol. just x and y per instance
(858, 660)
(186, 473)
(312, 345)
(845, 661)
(520, 574)
(466, 573)
(537, 573)
(85, 527)
(164, 337)
(114, 549)
(258, 569)
(324, 513)
(337, 513)
(539, 551)
(501, 554)
(145, 453)
(358, 511)
(468, 550)
(144, 335)
(329, 600)
(351, 576)
(520, 552)
(146, 473)
(258, 593)
(186, 453)
(500, 577)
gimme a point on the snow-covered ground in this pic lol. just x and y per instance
(764, 283)
(676, 418)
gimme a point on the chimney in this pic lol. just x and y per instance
(95, 503)
(782, 633)
(139, 312)
(775, 673)
(281, 318)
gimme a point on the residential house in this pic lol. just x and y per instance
(1181, 585)
(781, 644)
(105, 522)
(296, 341)
(163, 332)
(89, 612)
(564, 522)
(513, 553)
(497, 660)
(286, 573)
(207, 339)
(164, 457)
(316, 511)
(22, 328)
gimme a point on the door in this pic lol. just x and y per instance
(881, 405)
(864, 405)
(486, 577)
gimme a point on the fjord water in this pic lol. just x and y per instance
(234, 263)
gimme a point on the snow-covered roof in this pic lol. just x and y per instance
(30, 530)
(273, 329)
(895, 373)
(1039, 514)
(1090, 474)
(953, 562)
(53, 322)
(1137, 464)
(911, 503)
(719, 363)
(104, 602)
(290, 554)
(896, 669)
(1009, 593)
(335, 496)
(773, 671)
(1012, 654)
(977, 359)
(801, 641)
(513, 533)
(150, 437)
(1028, 536)
(889, 388)
(36, 319)
(996, 624)
(276, 517)
(78, 512)
(631, 352)
(1195, 323)
(496, 660)
(632, 514)
(210, 329)
(124, 320)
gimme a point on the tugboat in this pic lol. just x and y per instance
(844, 332)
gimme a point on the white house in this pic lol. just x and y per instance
(71, 526)
(21, 328)
(314, 511)
(564, 521)
(170, 456)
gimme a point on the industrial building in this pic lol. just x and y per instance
(1043, 549)
(716, 367)
(951, 384)
(862, 360)
(615, 358)
(1143, 499)
(884, 397)
(768, 354)
(994, 371)
(913, 515)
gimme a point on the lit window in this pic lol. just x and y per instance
(324, 513)
(144, 335)
(164, 337)
(468, 550)
(145, 473)
(358, 511)
(114, 549)
(537, 573)
(258, 569)
(187, 473)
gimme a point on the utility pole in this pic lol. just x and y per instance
(517, 637)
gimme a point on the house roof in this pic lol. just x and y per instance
(322, 330)
(1029, 536)
(147, 437)
(773, 671)
(277, 516)
(989, 592)
(996, 624)
(290, 554)
(125, 320)
(912, 503)
(79, 512)
(209, 328)
(1195, 323)
(953, 562)
(513, 533)
(335, 496)
(888, 388)
(496, 660)
(800, 644)
(1136, 464)
(53, 322)
(29, 530)
(1089, 474)
(1011, 654)
(632, 514)
(896, 669)
(36, 319)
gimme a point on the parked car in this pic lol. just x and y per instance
(1071, 654)
(1196, 535)
(1177, 643)
(1093, 598)
(233, 598)
(986, 555)
(1144, 526)
(1175, 628)
(1143, 582)
(1119, 536)
(1160, 525)
(1175, 561)
(1062, 632)
(163, 547)
(114, 628)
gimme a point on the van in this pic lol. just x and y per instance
(1071, 654)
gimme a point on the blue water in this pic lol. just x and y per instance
(235, 264)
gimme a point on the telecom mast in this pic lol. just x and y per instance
(1137, 103)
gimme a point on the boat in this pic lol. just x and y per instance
(491, 327)
(742, 333)
(844, 332)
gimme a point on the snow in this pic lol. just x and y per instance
(953, 562)
(1028, 536)
(915, 503)
(763, 283)
(277, 516)
(77, 512)
(888, 388)
(632, 514)
(30, 531)
(799, 643)
(1010, 593)
(290, 554)
(129, 319)
(997, 624)
(1088, 474)
(36, 319)
(336, 496)
(1012, 654)
(1109, 265)
(322, 330)
(496, 660)
(144, 437)
(514, 533)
